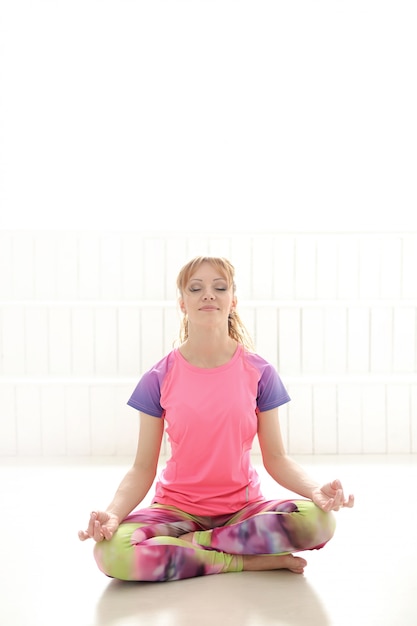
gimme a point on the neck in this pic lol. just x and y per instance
(208, 353)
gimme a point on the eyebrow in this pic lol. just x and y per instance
(201, 280)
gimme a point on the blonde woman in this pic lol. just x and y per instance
(212, 394)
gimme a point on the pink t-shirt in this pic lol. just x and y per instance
(211, 421)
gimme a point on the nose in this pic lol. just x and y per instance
(208, 294)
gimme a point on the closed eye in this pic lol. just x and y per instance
(194, 289)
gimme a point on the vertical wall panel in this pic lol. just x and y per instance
(54, 435)
(391, 261)
(349, 418)
(404, 340)
(132, 266)
(284, 268)
(374, 425)
(176, 257)
(128, 341)
(370, 267)
(151, 337)
(381, 339)
(305, 267)
(45, 276)
(248, 316)
(154, 268)
(6, 268)
(76, 404)
(110, 266)
(348, 267)
(241, 258)
(220, 246)
(8, 427)
(266, 336)
(413, 412)
(28, 420)
(83, 341)
(36, 333)
(126, 422)
(1, 342)
(409, 264)
(13, 340)
(312, 340)
(335, 340)
(23, 266)
(262, 262)
(300, 424)
(103, 420)
(66, 266)
(172, 323)
(59, 341)
(324, 419)
(358, 349)
(105, 341)
(289, 340)
(327, 267)
(197, 246)
(398, 419)
(88, 266)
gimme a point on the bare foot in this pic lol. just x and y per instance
(271, 561)
(260, 562)
(294, 563)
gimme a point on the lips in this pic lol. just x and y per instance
(209, 308)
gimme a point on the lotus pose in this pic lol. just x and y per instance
(212, 394)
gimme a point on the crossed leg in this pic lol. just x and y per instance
(162, 543)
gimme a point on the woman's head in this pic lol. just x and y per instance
(223, 270)
(222, 265)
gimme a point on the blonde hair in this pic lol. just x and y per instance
(237, 329)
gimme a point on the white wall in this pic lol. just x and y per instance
(83, 314)
(136, 134)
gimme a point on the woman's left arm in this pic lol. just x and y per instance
(289, 474)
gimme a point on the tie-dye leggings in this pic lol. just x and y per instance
(147, 546)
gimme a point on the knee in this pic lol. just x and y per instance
(115, 558)
(320, 524)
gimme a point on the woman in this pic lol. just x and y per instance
(208, 515)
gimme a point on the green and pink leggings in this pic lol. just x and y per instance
(148, 546)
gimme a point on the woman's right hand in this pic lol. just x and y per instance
(102, 525)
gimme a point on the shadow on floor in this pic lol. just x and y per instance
(249, 598)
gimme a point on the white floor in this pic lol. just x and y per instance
(367, 574)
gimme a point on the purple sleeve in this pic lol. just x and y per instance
(145, 397)
(271, 390)
(147, 393)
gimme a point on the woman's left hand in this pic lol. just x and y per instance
(331, 497)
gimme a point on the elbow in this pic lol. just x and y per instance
(273, 462)
(144, 472)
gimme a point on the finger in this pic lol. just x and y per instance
(107, 533)
(83, 535)
(338, 499)
(328, 506)
(336, 484)
(350, 502)
(91, 523)
(98, 533)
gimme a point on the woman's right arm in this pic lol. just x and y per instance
(134, 486)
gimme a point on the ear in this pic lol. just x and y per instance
(181, 305)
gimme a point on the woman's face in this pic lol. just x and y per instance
(207, 297)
